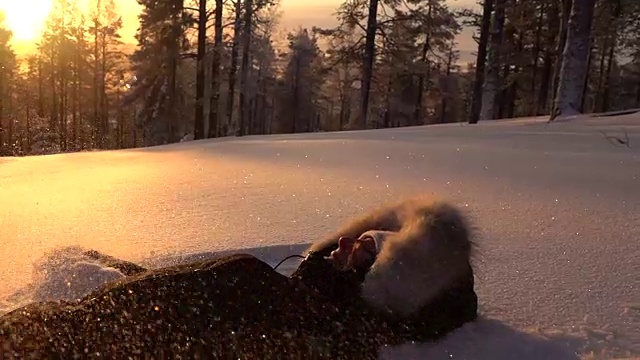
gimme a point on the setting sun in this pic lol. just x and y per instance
(26, 18)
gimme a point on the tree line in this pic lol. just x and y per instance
(206, 69)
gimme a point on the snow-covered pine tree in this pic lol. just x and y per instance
(156, 63)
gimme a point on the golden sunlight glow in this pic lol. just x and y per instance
(25, 18)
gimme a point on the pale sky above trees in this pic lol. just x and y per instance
(26, 18)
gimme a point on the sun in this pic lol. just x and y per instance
(25, 18)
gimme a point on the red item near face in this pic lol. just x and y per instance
(353, 253)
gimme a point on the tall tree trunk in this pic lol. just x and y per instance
(417, 112)
(135, 136)
(344, 101)
(244, 67)
(503, 94)
(512, 89)
(10, 128)
(233, 67)
(562, 41)
(296, 97)
(97, 135)
(40, 87)
(343, 108)
(444, 103)
(616, 12)
(74, 99)
(198, 126)
(367, 64)
(80, 125)
(2, 89)
(252, 116)
(547, 70)
(511, 37)
(388, 109)
(511, 97)
(476, 97)
(545, 82)
(574, 59)
(104, 100)
(215, 72)
(260, 108)
(269, 124)
(601, 73)
(585, 85)
(120, 120)
(28, 126)
(536, 57)
(492, 84)
(53, 120)
(604, 52)
(607, 80)
(174, 60)
(63, 104)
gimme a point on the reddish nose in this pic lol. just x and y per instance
(346, 243)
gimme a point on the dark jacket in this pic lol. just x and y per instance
(233, 307)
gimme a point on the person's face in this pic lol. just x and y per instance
(354, 252)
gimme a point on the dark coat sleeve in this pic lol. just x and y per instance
(339, 287)
(231, 307)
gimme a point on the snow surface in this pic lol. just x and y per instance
(558, 207)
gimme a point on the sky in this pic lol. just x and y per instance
(26, 18)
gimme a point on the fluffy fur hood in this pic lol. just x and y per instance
(424, 247)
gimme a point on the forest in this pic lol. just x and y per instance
(206, 69)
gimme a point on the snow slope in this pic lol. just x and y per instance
(558, 207)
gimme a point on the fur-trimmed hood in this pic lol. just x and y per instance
(378, 236)
(424, 246)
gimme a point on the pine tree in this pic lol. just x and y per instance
(107, 61)
(198, 131)
(216, 61)
(8, 67)
(156, 63)
(301, 84)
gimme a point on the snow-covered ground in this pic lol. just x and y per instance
(558, 207)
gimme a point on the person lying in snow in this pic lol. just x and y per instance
(401, 273)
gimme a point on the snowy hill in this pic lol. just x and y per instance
(558, 207)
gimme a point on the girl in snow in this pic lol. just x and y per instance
(401, 273)
(411, 264)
